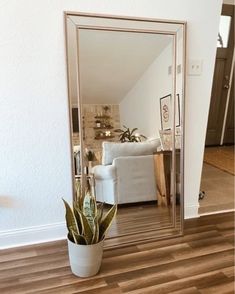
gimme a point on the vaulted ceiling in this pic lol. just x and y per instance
(111, 62)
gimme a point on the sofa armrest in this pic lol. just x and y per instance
(134, 166)
(104, 172)
(136, 181)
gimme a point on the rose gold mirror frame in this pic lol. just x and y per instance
(166, 232)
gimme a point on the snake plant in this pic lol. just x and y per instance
(85, 220)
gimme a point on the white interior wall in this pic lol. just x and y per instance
(140, 108)
(179, 63)
(34, 127)
(230, 2)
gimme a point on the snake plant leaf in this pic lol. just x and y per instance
(80, 203)
(79, 239)
(89, 205)
(70, 218)
(87, 230)
(89, 208)
(79, 195)
(106, 221)
(78, 217)
(96, 230)
(100, 210)
(79, 212)
(77, 189)
(94, 207)
(70, 237)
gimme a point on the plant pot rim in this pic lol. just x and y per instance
(85, 245)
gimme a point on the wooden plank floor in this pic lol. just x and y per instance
(219, 190)
(199, 262)
(139, 218)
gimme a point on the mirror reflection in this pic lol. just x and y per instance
(124, 79)
(126, 113)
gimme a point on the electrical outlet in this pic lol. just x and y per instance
(195, 67)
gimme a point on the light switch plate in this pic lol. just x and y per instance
(195, 67)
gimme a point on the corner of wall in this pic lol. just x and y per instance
(191, 211)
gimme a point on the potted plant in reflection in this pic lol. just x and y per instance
(87, 227)
(128, 135)
(90, 156)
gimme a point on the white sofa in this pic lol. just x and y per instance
(127, 173)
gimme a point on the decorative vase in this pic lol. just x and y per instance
(85, 260)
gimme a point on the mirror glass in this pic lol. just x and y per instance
(126, 98)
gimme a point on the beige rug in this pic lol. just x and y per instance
(221, 157)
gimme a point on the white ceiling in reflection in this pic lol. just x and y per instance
(110, 63)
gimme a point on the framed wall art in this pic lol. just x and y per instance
(165, 112)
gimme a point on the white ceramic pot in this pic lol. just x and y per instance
(85, 260)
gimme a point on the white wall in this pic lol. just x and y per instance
(140, 108)
(230, 2)
(34, 157)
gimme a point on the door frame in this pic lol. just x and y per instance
(228, 54)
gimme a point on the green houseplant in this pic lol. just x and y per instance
(87, 226)
(90, 157)
(128, 135)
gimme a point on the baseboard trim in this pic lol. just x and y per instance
(216, 212)
(191, 211)
(53, 232)
(32, 235)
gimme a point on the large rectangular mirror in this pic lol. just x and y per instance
(126, 98)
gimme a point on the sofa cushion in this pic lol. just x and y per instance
(113, 150)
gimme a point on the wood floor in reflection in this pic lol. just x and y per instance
(136, 217)
(201, 261)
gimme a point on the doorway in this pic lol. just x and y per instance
(217, 182)
(220, 110)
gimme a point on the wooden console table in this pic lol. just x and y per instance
(162, 165)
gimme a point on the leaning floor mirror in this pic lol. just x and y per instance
(126, 80)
